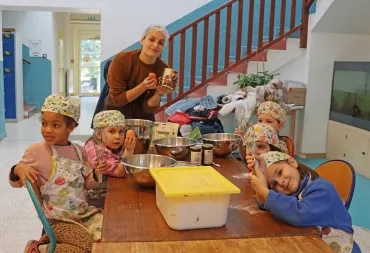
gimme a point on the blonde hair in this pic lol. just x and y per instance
(158, 28)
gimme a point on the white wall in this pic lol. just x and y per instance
(357, 23)
(54, 5)
(323, 50)
(296, 70)
(36, 25)
(123, 21)
(62, 33)
(322, 7)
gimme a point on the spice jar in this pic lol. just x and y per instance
(207, 154)
(196, 155)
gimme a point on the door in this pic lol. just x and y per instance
(89, 64)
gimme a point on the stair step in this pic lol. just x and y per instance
(29, 111)
(202, 92)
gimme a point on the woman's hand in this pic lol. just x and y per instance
(130, 143)
(237, 131)
(24, 171)
(162, 91)
(149, 83)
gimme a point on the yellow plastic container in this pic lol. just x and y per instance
(193, 197)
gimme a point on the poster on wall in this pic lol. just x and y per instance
(35, 48)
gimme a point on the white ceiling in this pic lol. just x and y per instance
(346, 17)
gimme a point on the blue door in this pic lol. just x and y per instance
(9, 76)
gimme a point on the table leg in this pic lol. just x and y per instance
(292, 124)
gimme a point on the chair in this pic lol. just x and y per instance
(342, 175)
(289, 143)
(35, 195)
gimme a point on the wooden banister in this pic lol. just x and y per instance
(199, 20)
(201, 57)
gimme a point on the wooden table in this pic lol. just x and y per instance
(296, 244)
(131, 214)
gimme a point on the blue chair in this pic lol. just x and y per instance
(34, 192)
(342, 175)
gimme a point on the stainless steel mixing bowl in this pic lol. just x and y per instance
(174, 147)
(142, 128)
(137, 167)
(223, 143)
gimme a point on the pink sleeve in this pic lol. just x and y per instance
(29, 157)
(91, 153)
(112, 164)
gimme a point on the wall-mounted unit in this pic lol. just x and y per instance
(13, 75)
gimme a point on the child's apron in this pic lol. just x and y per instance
(64, 195)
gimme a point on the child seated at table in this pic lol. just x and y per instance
(60, 169)
(273, 114)
(264, 138)
(106, 148)
(302, 198)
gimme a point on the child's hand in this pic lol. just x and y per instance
(249, 161)
(130, 143)
(24, 171)
(237, 131)
(101, 167)
(259, 185)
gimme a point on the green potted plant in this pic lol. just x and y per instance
(254, 80)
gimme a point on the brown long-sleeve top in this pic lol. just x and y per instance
(126, 72)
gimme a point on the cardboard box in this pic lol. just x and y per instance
(295, 96)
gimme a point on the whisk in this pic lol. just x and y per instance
(245, 126)
(99, 150)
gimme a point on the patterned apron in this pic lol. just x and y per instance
(64, 195)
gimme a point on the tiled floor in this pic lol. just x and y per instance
(18, 220)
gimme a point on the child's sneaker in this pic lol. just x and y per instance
(33, 247)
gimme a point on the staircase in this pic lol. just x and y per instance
(28, 110)
(239, 36)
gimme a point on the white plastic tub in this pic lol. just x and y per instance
(193, 197)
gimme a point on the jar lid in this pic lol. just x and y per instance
(208, 145)
(195, 148)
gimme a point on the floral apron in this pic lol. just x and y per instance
(64, 195)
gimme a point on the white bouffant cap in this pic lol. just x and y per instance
(158, 28)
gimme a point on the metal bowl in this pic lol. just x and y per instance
(137, 167)
(174, 147)
(223, 143)
(142, 128)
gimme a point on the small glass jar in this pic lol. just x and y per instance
(196, 155)
(207, 154)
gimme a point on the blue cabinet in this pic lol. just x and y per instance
(9, 76)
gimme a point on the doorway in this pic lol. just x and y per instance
(88, 72)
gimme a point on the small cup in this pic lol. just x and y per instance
(169, 79)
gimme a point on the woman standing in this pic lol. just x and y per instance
(132, 91)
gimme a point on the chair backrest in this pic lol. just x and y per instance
(34, 191)
(289, 143)
(342, 175)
